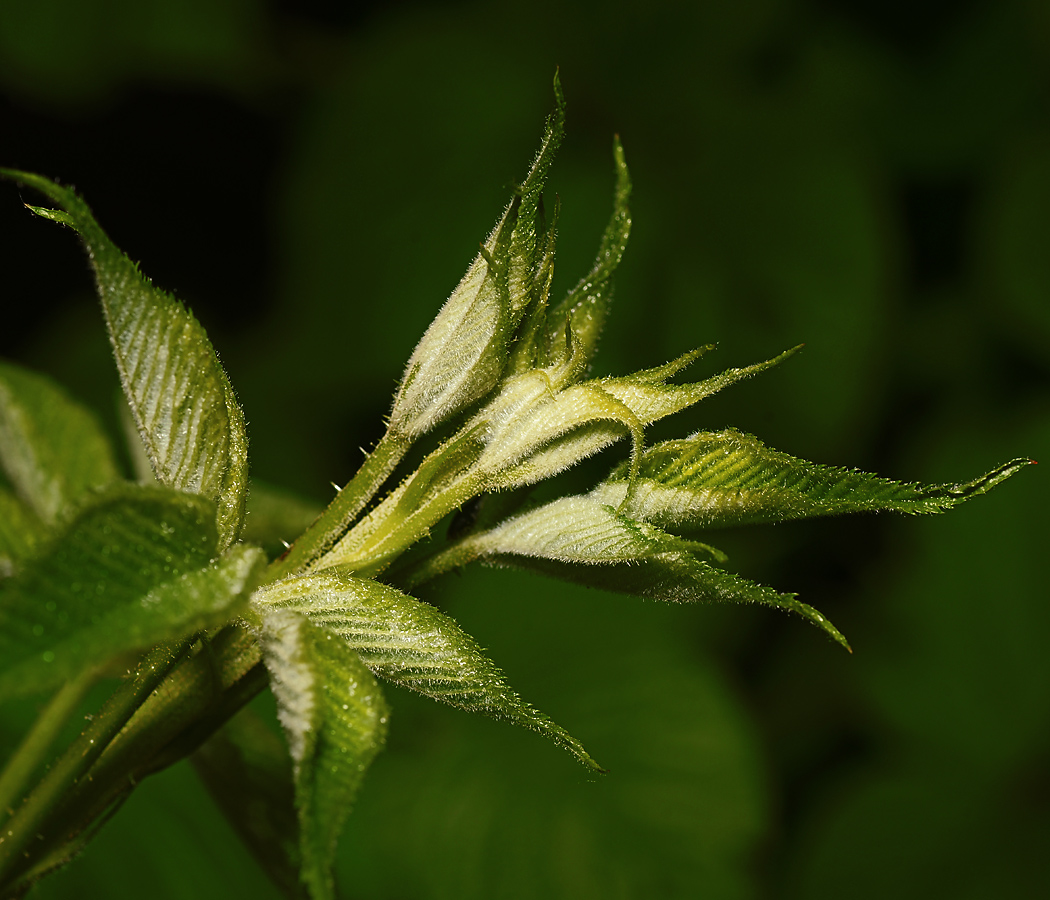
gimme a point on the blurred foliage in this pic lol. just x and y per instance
(870, 178)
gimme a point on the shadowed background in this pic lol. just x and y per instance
(870, 178)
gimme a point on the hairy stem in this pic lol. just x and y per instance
(67, 772)
(346, 506)
(34, 747)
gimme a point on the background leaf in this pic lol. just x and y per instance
(20, 532)
(132, 569)
(247, 770)
(52, 448)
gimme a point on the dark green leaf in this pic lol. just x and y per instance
(182, 401)
(21, 531)
(52, 448)
(132, 569)
(334, 716)
(411, 644)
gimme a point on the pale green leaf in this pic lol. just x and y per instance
(581, 539)
(52, 448)
(21, 532)
(646, 395)
(132, 569)
(463, 353)
(411, 644)
(182, 401)
(247, 770)
(335, 718)
(717, 479)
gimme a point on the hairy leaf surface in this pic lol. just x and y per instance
(52, 448)
(335, 718)
(584, 540)
(462, 355)
(133, 569)
(411, 644)
(718, 479)
(182, 401)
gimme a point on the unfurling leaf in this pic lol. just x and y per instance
(182, 401)
(335, 717)
(132, 569)
(583, 540)
(582, 313)
(463, 353)
(52, 448)
(718, 479)
(410, 643)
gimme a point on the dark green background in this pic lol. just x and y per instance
(871, 178)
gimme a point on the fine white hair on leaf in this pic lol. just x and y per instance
(292, 679)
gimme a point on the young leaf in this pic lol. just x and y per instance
(21, 531)
(52, 448)
(411, 644)
(334, 716)
(462, 354)
(584, 540)
(718, 479)
(134, 568)
(247, 770)
(182, 401)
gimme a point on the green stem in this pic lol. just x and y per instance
(347, 504)
(25, 824)
(34, 747)
(387, 544)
